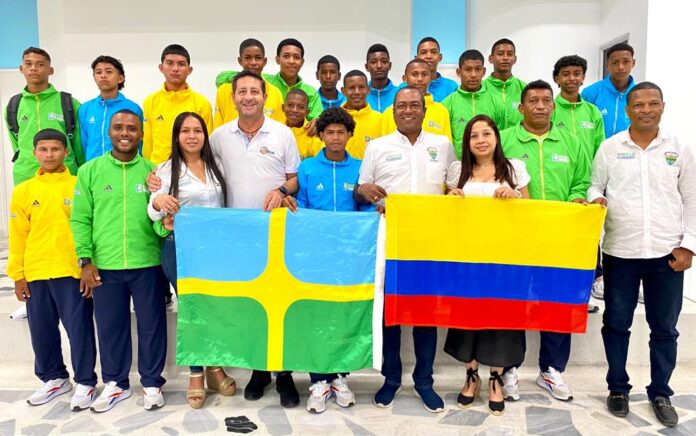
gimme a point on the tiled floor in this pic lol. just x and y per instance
(535, 414)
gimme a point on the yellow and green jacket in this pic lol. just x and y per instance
(437, 119)
(109, 220)
(315, 106)
(41, 243)
(160, 109)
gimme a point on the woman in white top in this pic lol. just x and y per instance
(484, 171)
(191, 177)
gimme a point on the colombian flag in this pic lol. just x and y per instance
(277, 291)
(484, 263)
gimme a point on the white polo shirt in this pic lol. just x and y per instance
(401, 168)
(253, 169)
(651, 195)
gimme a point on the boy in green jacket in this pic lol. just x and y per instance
(558, 167)
(119, 253)
(505, 87)
(40, 107)
(472, 98)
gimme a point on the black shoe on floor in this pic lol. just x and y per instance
(258, 381)
(289, 397)
(617, 403)
(664, 411)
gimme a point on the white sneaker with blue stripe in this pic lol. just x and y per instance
(49, 391)
(83, 397)
(109, 397)
(552, 381)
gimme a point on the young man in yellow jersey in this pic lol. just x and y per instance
(368, 122)
(252, 57)
(437, 118)
(43, 265)
(162, 107)
(296, 109)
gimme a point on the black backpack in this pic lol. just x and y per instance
(68, 116)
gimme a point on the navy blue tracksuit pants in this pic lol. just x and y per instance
(57, 300)
(663, 293)
(112, 314)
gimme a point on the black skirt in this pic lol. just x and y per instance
(497, 348)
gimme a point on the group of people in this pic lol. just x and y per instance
(84, 243)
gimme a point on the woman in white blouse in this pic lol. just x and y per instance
(484, 171)
(191, 177)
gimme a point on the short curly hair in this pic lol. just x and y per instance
(335, 115)
(569, 61)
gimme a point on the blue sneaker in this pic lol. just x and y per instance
(384, 398)
(431, 400)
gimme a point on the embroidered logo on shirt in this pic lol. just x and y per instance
(268, 111)
(320, 187)
(460, 120)
(36, 203)
(92, 120)
(24, 119)
(433, 125)
(139, 187)
(671, 157)
(52, 116)
(368, 138)
(559, 158)
(432, 152)
(605, 111)
(266, 150)
(348, 186)
(624, 155)
(160, 118)
(107, 188)
(524, 156)
(393, 157)
(67, 202)
(560, 124)
(12, 215)
(587, 125)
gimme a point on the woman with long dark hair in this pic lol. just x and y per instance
(484, 171)
(191, 177)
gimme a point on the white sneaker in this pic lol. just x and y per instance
(153, 398)
(511, 385)
(82, 398)
(319, 393)
(109, 397)
(20, 314)
(49, 391)
(344, 396)
(598, 288)
(553, 382)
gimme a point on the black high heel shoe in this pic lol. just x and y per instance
(472, 376)
(495, 383)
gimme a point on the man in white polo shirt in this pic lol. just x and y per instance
(409, 160)
(647, 180)
(260, 159)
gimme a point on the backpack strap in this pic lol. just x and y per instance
(12, 123)
(68, 114)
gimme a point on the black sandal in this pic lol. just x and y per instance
(496, 407)
(472, 376)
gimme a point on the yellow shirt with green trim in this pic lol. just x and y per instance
(226, 110)
(160, 109)
(308, 146)
(437, 119)
(41, 241)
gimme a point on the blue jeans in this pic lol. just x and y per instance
(663, 293)
(424, 344)
(169, 268)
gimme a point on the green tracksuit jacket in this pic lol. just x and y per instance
(558, 166)
(36, 112)
(508, 93)
(109, 218)
(582, 119)
(463, 106)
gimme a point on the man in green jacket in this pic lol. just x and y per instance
(472, 98)
(119, 253)
(558, 167)
(40, 108)
(506, 88)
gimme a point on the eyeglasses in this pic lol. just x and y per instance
(414, 106)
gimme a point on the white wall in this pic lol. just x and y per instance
(620, 17)
(542, 31)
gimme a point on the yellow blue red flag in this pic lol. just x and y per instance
(277, 291)
(484, 263)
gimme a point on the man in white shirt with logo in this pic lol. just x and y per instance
(409, 160)
(647, 180)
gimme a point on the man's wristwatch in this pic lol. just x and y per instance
(83, 262)
(283, 191)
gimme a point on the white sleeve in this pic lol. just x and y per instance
(164, 173)
(600, 173)
(366, 168)
(292, 154)
(453, 174)
(687, 189)
(521, 176)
